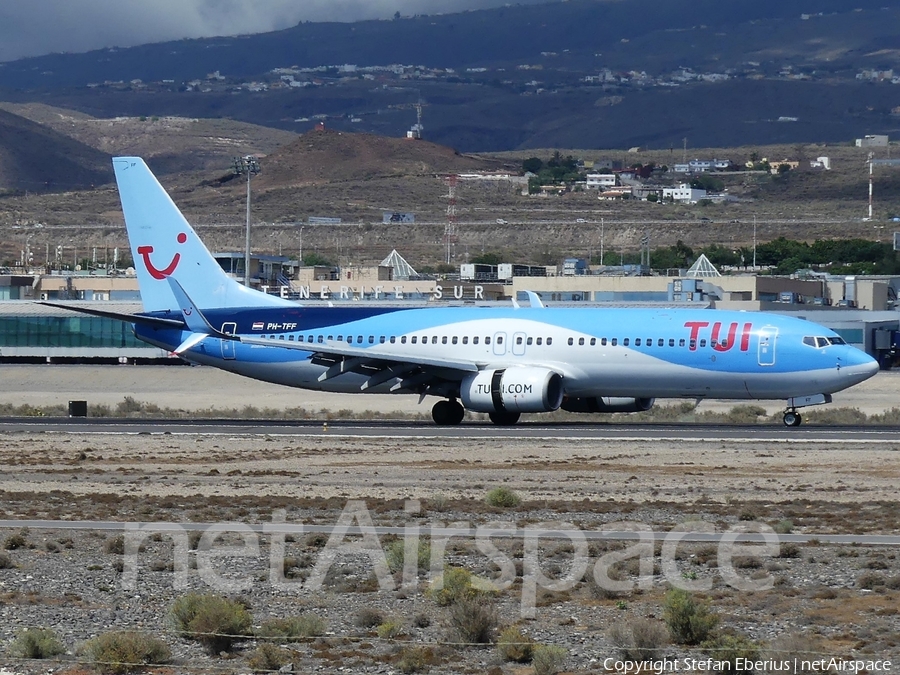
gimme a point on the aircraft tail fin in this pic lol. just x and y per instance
(163, 244)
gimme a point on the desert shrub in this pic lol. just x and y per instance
(728, 648)
(293, 628)
(368, 617)
(548, 659)
(213, 621)
(456, 583)
(789, 550)
(415, 660)
(14, 541)
(395, 551)
(870, 580)
(268, 658)
(36, 643)
(474, 619)
(639, 640)
(784, 526)
(389, 629)
(115, 545)
(503, 497)
(514, 645)
(6, 562)
(795, 648)
(125, 651)
(689, 621)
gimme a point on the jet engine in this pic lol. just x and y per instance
(513, 390)
(607, 404)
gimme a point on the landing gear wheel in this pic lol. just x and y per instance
(504, 419)
(792, 419)
(447, 413)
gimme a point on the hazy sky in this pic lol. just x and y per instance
(34, 27)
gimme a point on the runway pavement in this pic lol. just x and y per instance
(481, 431)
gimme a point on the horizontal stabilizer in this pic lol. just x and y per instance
(193, 340)
(154, 321)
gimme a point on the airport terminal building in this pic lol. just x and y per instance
(863, 310)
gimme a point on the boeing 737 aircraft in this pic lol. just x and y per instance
(502, 361)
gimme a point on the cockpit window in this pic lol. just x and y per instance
(822, 342)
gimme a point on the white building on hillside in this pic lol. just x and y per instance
(598, 181)
(684, 193)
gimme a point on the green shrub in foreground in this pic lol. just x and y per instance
(503, 497)
(689, 621)
(213, 621)
(293, 628)
(549, 659)
(514, 645)
(36, 643)
(125, 651)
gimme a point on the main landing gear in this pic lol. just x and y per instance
(448, 413)
(792, 418)
(504, 419)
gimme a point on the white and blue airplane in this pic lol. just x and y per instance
(502, 361)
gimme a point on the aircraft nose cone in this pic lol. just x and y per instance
(860, 366)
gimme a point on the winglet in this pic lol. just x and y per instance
(534, 299)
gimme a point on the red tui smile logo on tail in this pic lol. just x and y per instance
(155, 272)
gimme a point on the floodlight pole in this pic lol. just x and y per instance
(250, 166)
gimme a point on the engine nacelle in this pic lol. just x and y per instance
(607, 404)
(517, 389)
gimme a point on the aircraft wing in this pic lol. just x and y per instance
(343, 349)
(412, 372)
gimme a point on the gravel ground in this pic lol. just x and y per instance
(840, 600)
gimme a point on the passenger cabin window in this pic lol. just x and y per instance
(499, 339)
(475, 340)
(528, 341)
(393, 339)
(614, 342)
(454, 340)
(681, 343)
(603, 341)
(291, 338)
(625, 342)
(571, 341)
(487, 340)
(403, 339)
(414, 339)
(660, 343)
(444, 340)
(434, 339)
(539, 340)
(637, 342)
(593, 341)
(381, 339)
(703, 342)
(519, 340)
(580, 341)
(322, 339)
(549, 341)
(671, 342)
(465, 339)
